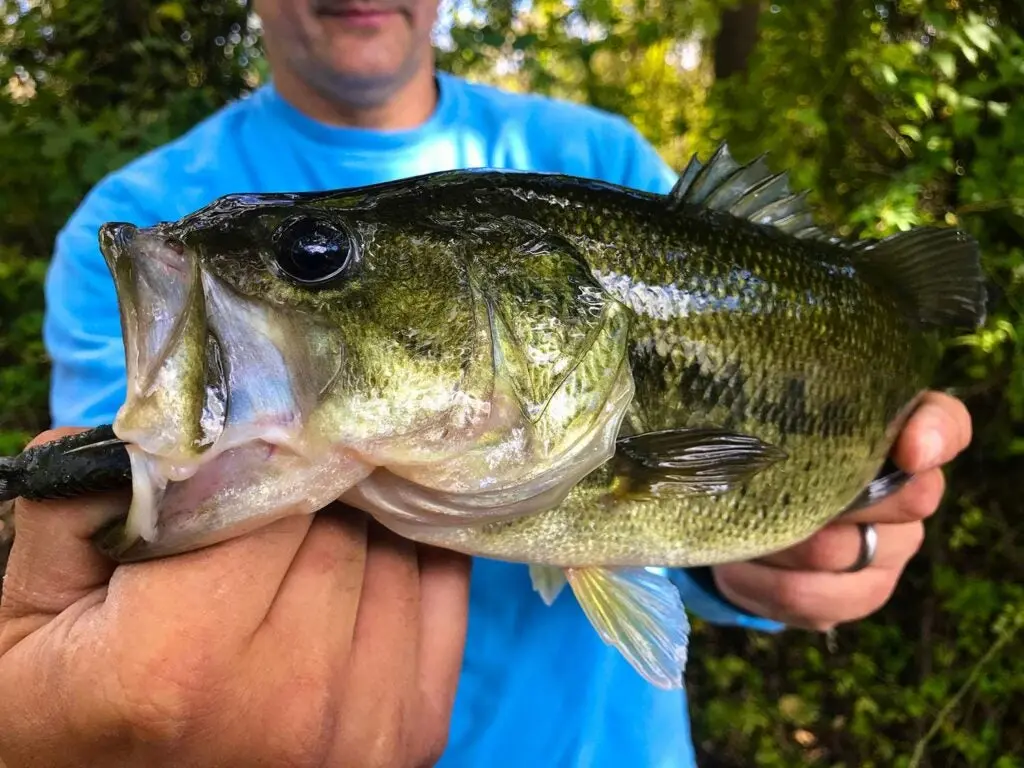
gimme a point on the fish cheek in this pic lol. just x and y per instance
(416, 374)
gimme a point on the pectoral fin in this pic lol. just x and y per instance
(547, 580)
(639, 613)
(701, 460)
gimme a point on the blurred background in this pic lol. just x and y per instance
(891, 113)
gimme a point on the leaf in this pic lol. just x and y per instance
(923, 104)
(946, 62)
(172, 11)
(911, 132)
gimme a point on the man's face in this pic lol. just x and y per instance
(358, 51)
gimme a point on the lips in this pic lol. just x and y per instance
(354, 9)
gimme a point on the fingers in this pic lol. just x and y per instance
(221, 593)
(808, 599)
(915, 501)
(319, 596)
(301, 650)
(444, 610)
(53, 562)
(938, 430)
(382, 666)
(837, 548)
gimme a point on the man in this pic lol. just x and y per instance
(329, 641)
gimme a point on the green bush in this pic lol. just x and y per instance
(85, 87)
(892, 114)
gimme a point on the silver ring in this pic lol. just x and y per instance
(868, 547)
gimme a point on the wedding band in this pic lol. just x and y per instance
(868, 547)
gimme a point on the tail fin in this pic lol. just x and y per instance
(937, 272)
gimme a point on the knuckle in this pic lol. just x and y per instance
(875, 598)
(302, 711)
(922, 499)
(384, 751)
(431, 751)
(958, 418)
(384, 744)
(165, 694)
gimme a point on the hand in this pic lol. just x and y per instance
(805, 586)
(317, 640)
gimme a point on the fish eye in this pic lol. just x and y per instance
(310, 250)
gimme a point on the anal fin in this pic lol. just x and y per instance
(639, 613)
(548, 581)
(700, 460)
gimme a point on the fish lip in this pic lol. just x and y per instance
(116, 238)
(156, 278)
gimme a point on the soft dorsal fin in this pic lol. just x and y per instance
(937, 272)
(748, 191)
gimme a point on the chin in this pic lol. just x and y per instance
(362, 75)
(369, 66)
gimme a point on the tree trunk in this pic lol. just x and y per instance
(737, 36)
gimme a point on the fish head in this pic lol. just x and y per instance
(280, 327)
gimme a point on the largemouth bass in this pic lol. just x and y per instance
(586, 378)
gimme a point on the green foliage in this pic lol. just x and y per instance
(892, 114)
(85, 87)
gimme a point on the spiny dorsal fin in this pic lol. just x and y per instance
(937, 272)
(748, 191)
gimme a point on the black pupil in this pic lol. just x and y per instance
(312, 250)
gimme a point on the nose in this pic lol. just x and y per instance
(117, 235)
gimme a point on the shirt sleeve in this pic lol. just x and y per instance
(643, 168)
(81, 326)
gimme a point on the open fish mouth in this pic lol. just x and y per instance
(208, 369)
(166, 337)
(218, 388)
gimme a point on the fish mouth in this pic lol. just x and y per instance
(217, 383)
(176, 396)
(208, 369)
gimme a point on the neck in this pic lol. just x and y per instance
(408, 106)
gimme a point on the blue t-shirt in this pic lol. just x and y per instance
(538, 686)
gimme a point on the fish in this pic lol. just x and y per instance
(599, 382)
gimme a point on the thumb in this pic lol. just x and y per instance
(53, 562)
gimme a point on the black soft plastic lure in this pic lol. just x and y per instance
(90, 461)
